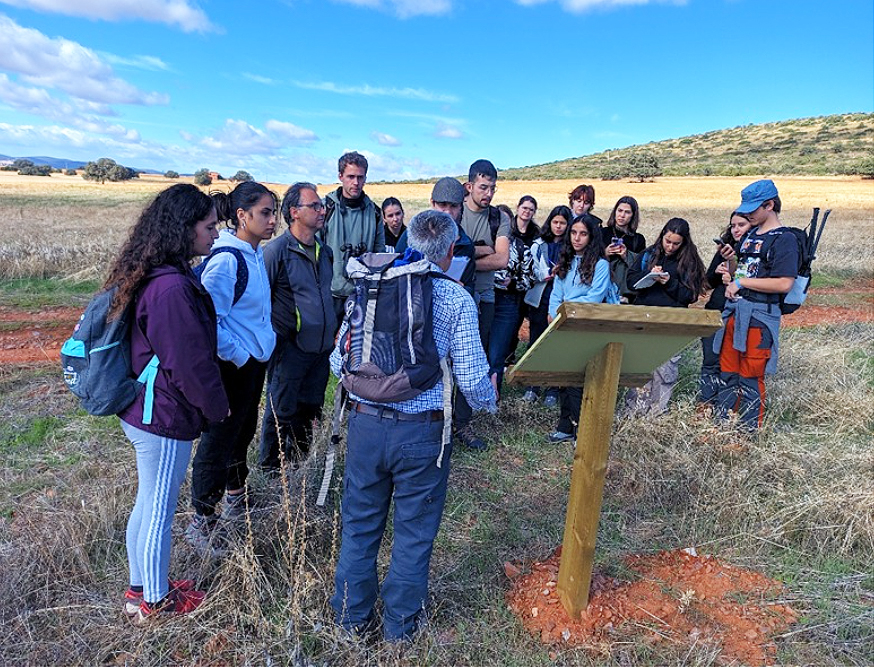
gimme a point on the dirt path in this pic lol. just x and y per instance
(33, 335)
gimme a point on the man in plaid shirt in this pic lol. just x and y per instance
(403, 450)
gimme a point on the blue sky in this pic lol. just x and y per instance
(282, 88)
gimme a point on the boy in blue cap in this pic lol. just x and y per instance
(747, 345)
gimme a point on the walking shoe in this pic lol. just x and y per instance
(560, 436)
(235, 507)
(203, 533)
(550, 401)
(529, 396)
(132, 598)
(469, 439)
(175, 604)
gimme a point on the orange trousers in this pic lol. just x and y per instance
(743, 374)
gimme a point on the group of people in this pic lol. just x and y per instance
(275, 316)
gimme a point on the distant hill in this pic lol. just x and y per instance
(825, 145)
(61, 163)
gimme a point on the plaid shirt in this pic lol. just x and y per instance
(456, 335)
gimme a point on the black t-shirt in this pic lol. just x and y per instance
(773, 254)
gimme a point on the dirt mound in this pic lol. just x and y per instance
(35, 335)
(679, 597)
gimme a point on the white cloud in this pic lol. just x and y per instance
(405, 8)
(445, 131)
(39, 102)
(150, 63)
(291, 132)
(259, 79)
(183, 13)
(580, 6)
(377, 91)
(385, 139)
(65, 65)
(238, 138)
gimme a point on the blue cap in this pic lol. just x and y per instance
(756, 194)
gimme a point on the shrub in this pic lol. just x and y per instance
(35, 170)
(171, 174)
(241, 176)
(69, 172)
(202, 177)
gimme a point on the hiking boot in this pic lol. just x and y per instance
(529, 396)
(469, 439)
(550, 401)
(560, 436)
(175, 604)
(204, 534)
(133, 599)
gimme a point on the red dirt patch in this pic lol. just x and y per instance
(35, 335)
(680, 598)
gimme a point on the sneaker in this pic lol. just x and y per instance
(529, 397)
(234, 509)
(560, 436)
(133, 599)
(550, 401)
(175, 604)
(469, 439)
(204, 535)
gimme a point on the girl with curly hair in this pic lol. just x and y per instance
(173, 325)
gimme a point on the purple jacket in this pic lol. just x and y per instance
(175, 320)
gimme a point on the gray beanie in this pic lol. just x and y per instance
(448, 191)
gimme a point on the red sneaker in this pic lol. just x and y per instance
(133, 599)
(176, 603)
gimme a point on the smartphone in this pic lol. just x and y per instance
(718, 241)
(615, 241)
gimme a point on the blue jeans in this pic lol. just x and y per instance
(161, 467)
(505, 324)
(388, 458)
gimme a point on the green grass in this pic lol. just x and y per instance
(42, 292)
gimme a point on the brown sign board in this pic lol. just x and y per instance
(650, 336)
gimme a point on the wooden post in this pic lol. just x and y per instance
(587, 481)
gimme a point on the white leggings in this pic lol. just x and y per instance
(161, 467)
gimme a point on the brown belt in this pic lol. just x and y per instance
(382, 411)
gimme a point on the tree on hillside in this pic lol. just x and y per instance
(866, 167)
(202, 177)
(643, 166)
(241, 176)
(171, 174)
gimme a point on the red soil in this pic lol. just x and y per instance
(677, 598)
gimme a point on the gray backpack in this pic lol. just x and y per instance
(96, 361)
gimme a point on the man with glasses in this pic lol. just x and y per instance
(299, 268)
(489, 229)
(353, 224)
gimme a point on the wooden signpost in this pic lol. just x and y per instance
(598, 346)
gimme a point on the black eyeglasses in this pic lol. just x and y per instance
(316, 206)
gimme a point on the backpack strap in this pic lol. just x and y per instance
(242, 280)
(494, 222)
(147, 377)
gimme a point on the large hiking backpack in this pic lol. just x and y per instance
(96, 361)
(389, 350)
(808, 241)
(242, 269)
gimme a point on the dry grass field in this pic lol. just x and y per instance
(795, 503)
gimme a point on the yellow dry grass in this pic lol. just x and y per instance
(64, 225)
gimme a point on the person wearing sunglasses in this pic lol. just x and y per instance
(299, 268)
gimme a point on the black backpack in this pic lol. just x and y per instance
(96, 361)
(242, 270)
(389, 353)
(807, 241)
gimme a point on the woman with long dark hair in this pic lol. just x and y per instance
(582, 275)
(173, 326)
(677, 280)
(545, 253)
(623, 243)
(236, 278)
(393, 222)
